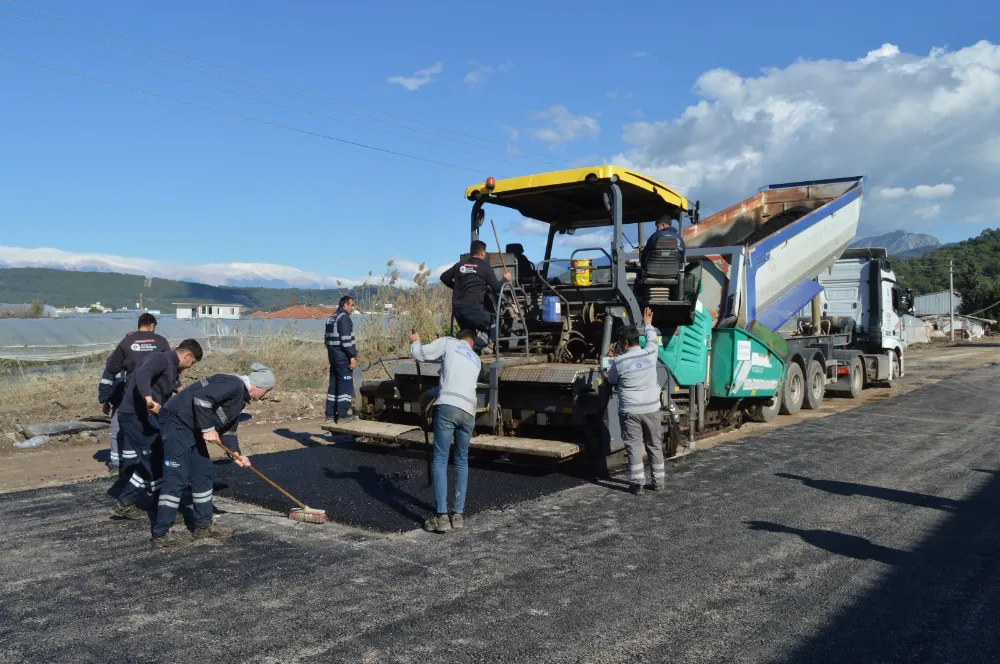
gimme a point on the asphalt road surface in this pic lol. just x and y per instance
(377, 488)
(868, 536)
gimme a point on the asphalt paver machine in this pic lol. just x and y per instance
(542, 391)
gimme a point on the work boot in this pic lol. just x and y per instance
(656, 486)
(437, 524)
(212, 531)
(347, 419)
(130, 512)
(457, 521)
(171, 540)
(113, 468)
(636, 489)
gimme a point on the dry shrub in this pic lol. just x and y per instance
(296, 364)
(397, 311)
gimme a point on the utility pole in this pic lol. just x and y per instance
(140, 303)
(951, 297)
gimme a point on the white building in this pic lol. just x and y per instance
(195, 310)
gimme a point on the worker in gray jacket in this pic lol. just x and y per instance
(634, 372)
(454, 417)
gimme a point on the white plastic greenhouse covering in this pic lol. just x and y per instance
(55, 339)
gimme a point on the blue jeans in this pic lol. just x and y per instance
(449, 422)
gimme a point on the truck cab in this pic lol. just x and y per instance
(862, 297)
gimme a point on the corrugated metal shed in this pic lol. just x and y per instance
(934, 304)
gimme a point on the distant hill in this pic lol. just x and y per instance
(977, 272)
(900, 243)
(62, 288)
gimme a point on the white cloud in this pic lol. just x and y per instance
(564, 127)
(480, 72)
(639, 54)
(214, 274)
(922, 191)
(419, 78)
(928, 212)
(527, 226)
(899, 118)
(512, 132)
(584, 239)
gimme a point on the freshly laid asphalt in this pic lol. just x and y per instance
(377, 489)
(868, 536)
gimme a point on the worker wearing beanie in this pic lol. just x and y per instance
(197, 415)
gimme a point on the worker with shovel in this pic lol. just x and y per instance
(195, 416)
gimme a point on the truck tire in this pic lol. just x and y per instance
(857, 377)
(766, 411)
(895, 370)
(815, 386)
(793, 391)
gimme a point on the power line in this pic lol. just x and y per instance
(241, 115)
(261, 78)
(251, 97)
(251, 85)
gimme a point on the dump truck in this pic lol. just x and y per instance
(718, 305)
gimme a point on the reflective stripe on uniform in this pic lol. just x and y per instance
(203, 497)
(331, 397)
(105, 381)
(342, 397)
(169, 501)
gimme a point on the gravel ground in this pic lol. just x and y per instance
(868, 536)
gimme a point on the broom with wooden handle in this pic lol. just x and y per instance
(302, 513)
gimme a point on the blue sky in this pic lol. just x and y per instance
(87, 167)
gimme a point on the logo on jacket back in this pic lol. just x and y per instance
(144, 345)
(467, 269)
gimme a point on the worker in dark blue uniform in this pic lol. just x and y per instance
(194, 417)
(343, 355)
(470, 280)
(664, 226)
(148, 388)
(125, 359)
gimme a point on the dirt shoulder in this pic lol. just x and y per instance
(293, 419)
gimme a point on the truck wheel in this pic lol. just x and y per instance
(766, 411)
(815, 386)
(793, 390)
(857, 377)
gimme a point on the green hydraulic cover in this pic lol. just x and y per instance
(743, 365)
(686, 353)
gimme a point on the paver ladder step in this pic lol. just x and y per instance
(411, 435)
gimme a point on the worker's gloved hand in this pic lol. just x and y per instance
(152, 406)
(240, 460)
(106, 407)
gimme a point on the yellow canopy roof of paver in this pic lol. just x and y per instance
(565, 198)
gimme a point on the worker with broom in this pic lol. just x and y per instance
(197, 415)
(148, 388)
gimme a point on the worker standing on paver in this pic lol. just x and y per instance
(125, 359)
(342, 352)
(634, 372)
(148, 388)
(454, 417)
(197, 415)
(469, 280)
